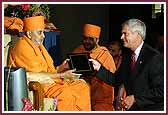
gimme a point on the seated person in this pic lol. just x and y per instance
(29, 52)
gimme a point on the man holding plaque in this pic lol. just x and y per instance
(143, 81)
(102, 94)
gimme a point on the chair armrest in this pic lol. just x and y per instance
(37, 94)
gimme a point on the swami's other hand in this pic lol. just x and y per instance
(70, 75)
(64, 66)
(96, 64)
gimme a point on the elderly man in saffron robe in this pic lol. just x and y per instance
(72, 95)
(102, 94)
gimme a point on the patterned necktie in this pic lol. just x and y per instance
(133, 61)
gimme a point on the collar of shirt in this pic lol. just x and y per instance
(137, 51)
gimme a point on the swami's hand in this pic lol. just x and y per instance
(41, 77)
(64, 66)
(70, 75)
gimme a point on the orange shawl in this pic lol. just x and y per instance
(72, 96)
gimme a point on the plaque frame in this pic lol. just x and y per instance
(79, 59)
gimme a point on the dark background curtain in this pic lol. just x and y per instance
(70, 18)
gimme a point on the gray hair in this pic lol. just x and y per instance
(136, 25)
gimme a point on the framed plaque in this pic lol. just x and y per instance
(81, 63)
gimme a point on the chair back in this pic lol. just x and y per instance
(7, 41)
(15, 88)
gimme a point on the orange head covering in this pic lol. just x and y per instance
(13, 23)
(34, 23)
(91, 30)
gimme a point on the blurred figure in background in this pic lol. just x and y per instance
(115, 49)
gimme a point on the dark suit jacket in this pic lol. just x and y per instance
(146, 83)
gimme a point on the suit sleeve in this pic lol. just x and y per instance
(106, 76)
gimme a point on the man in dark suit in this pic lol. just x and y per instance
(144, 84)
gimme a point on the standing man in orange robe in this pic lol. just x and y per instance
(72, 95)
(102, 94)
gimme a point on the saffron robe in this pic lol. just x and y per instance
(71, 95)
(102, 94)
